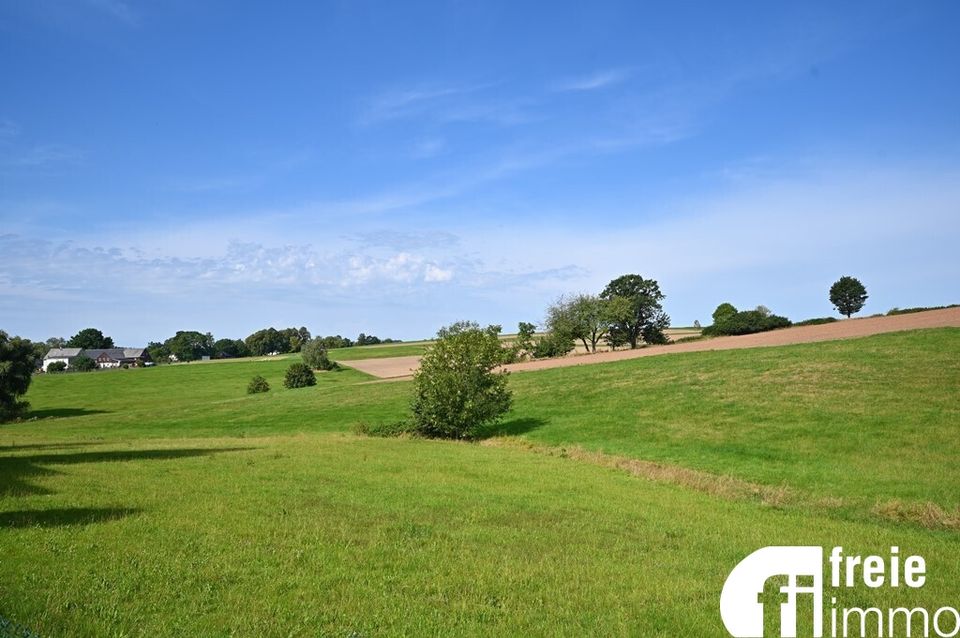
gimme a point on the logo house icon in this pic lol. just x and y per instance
(740, 605)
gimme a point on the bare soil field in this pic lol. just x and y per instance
(398, 367)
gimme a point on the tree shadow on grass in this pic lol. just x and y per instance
(45, 446)
(512, 427)
(61, 413)
(63, 517)
(16, 471)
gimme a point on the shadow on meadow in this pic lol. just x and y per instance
(62, 413)
(16, 472)
(44, 446)
(512, 427)
(63, 517)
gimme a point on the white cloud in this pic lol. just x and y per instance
(117, 9)
(435, 273)
(593, 81)
(43, 155)
(8, 129)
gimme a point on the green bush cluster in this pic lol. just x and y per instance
(57, 366)
(555, 344)
(84, 364)
(299, 375)
(907, 311)
(743, 322)
(456, 391)
(817, 321)
(314, 354)
(385, 430)
(257, 385)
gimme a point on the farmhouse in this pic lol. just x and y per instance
(65, 355)
(104, 357)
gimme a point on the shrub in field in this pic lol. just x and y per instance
(389, 429)
(848, 295)
(57, 366)
(907, 311)
(553, 345)
(524, 344)
(84, 364)
(299, 375)
(257, 385)
(314, 354)
(747, 322)
(456, 391)
(816, 321)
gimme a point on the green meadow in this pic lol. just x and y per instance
(613, 500)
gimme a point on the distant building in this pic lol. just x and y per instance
(104, 357)
(66, 355)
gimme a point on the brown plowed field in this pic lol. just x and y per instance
(396, 367)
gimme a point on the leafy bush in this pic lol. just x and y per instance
(314, 354)
(553, 345)
(456, 391)
(84, 363)
(16, 371)
(523, 345)
(816, 322)
(747, 322)
(257, 385)
(57, 366)
(299, 375)
(385, 430)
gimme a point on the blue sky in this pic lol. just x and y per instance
(390, 167)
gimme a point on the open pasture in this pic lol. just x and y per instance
(612, 500)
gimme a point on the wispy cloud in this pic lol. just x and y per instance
(8, 129)
(42, 155)
(218, 184)
(448, 104)
(400, 103)
(118, 10)
(427, 148)
(593, 81)
(404, 240)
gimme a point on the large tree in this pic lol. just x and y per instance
(190, 345)
(266, 341)
(230, 348)
(724, 312)
(640, 317)
(90, 338)
(159, 353)
(848, 295)
(17, 362)
(582, 316)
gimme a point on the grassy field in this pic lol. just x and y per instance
(379, 351)
(613, 500)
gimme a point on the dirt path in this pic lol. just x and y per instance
(396, 367)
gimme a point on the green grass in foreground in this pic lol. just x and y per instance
(165, 501)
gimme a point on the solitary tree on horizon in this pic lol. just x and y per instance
(848, 295)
